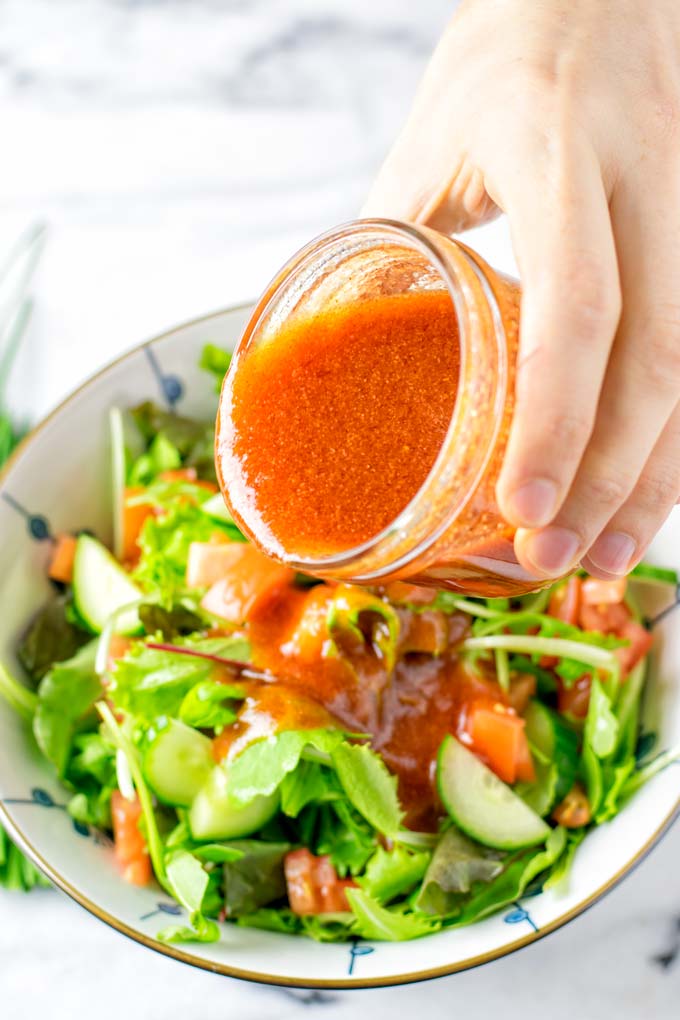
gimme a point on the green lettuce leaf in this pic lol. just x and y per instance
(369, 786)
(211, 705)
(65, 707)
(378, 923)
(256, 878)
(261, 767)
(308, 783)
(457, 864)
(188, 882)
(216, 361)
(164, 542)
(393, 873)
(51, 637)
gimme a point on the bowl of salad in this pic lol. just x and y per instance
(297, 782)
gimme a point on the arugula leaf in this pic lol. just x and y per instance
(92, 772)
(309, 783)
(51, 637)
(261, 767)
(188, 883)
(513, 881)
(457, 864)
(379, 923)
(66, 699)
(164, 543)
(210, 705)
(369, 786)
(148, 682)
(270, 919)
(215, 360)
(357, 618)
(344, 835)
(256, 878)
(162, 455)
(393, 873)
(177, 621)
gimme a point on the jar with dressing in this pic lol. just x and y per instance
(365, 414)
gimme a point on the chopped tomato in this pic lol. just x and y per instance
(606, 618)
(208, 562)
(402, 592)
(310, 633)
(522, 689)
(595, 592)
(187, 474)
(249, 587)
(574, 810)
(118, 647)
(497, 735)
(61, 560)
(640, 642)
(134, 518)
(526, 773)
(130, 845)
(574, 700)
(425, 632)
(565, 601)
(313, 884)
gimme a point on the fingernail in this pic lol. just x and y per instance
(553, 551)
(534, 503)
(612, 552)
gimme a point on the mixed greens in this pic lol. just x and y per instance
(153, 696)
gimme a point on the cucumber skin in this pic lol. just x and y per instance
(542, 829)
(183, 737)
(87, 548)
(564, 750)
(229, 820)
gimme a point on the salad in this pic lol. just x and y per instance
(314, 758)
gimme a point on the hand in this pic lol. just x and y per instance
(565, 114)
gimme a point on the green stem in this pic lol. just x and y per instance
(562, 648)
(17, 695)
(152, 834)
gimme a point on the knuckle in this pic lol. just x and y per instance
(594, 295)
(608, 491)
(656, 492)
(566, 432)
(659, 353)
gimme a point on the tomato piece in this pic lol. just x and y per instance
(187, 474)
(134, 518)
(250, 585)
(574, 700)
(522, 689)
(208, 562)
(565, 601)
(604, 618)
(119, 646)
(130, 845)
(526, 773)
(497, 735)
(310, 634)
(61, 560)
(574, 810)
(595, 592)
(425, 633)
(313, 884)
(402, 592)
(641, 641)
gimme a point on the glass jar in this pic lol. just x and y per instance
(451, 535)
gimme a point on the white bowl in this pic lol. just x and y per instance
(59, 480)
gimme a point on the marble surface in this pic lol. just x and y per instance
(179, 150)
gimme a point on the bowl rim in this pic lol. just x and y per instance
(226, 970)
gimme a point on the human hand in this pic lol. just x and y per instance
(565, 114)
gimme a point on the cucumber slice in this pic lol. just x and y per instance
(177, 762)
(101, 587)
(216, 508)
(556, 741)
(214, 815)
(481, 804)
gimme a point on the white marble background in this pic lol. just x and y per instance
(179, 151)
